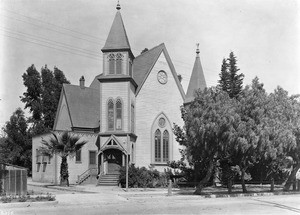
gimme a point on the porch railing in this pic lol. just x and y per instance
(86, 174)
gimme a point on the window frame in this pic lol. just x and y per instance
(132, 120)
(157, 145)
(92, 151)
(115, 63)
(166, 140)
(119, 101)
(112, 111)
(78, 152)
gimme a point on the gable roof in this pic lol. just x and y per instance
(117, 37)
(83, 105)
(143, 64)
(197, 80)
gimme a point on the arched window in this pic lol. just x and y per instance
(165, 146)
(157, 145)
(119, 59)
(111, 60)
(119, 114)
(110, 115)
(161, 144)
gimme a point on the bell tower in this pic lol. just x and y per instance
(117, 86)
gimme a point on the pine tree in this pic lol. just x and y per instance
(224, 76)
(230, 81)
(235, 80)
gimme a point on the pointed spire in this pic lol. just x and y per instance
(197, 79)
(117, 38)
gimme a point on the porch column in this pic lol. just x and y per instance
(102, 162)
(123, 159)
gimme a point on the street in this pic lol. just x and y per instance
(116, 202)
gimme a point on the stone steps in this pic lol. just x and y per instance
(109, 180)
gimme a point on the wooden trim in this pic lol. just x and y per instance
(58, 109)
(117, 78)
(100, 109)
(68, 108)
(174, 72)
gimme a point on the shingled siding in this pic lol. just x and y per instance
(114, 90)
(63, 118)
(153, 99)
(52, 169)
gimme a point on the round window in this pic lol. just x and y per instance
(162, 77)
(162, 122)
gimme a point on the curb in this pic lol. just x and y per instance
(248, 194)
(67, 189)
(27, 204)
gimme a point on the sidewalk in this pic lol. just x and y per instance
(156, 192)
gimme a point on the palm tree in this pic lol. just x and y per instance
(65, 146)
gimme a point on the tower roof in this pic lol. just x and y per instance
(117, 38)
(197, 80)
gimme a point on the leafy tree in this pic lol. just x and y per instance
(32, 97)
(42, 96)
(48, 97)
(15, 147)
(207, 131)
(65, 146)
(247, 143)
(230, 81)
(286, 114)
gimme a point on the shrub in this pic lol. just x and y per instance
(6, 199)
(141, 177)
(23, 198)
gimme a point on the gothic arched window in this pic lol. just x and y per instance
(165, 146)
(111, 60)
(161, 145)
(157, 145)
(110, 115)
(119, 114)
(119, 59)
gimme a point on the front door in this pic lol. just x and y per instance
(114, 160)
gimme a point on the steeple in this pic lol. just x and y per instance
(117, 38)
(197, 79)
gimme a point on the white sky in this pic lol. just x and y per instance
(263, 34)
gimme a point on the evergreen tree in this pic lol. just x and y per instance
(42, 96)
(230, 81)
(224, 77)
(207, 131)
(15, 146)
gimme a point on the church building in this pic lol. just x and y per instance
(126, 114)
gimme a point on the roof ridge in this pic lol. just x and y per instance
(74, 85)
(162, 44)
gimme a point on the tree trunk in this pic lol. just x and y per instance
(272, 184)
(229, 185)
(291, 178)
(64, 174)
(243, 181)
(204, 181)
